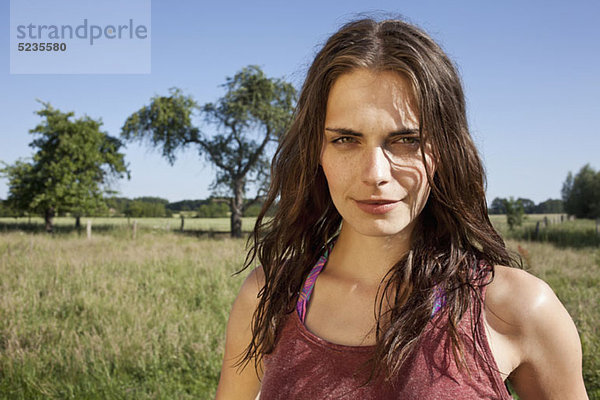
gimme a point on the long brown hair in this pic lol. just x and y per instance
(454, 232)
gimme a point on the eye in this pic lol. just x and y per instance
(344, 140)
(409, 140)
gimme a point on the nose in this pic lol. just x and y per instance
(376, 167)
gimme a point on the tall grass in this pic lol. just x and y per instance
(114, 319)
(578, 233)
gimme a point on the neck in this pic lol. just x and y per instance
(366, 260)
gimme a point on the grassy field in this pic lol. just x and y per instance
(118, 318)
(112, 319)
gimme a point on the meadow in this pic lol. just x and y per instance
(113, 317)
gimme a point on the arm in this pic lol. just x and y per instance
(243, 384)
(549, 344)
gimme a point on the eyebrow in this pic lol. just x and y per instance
(350, 132)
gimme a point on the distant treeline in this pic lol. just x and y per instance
(550, 206)
(156, 207)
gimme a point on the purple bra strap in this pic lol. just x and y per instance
(309, 283)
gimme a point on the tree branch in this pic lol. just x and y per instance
(254, 156)
(214, 157)
(260, 194)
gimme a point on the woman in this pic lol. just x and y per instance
(380, 195)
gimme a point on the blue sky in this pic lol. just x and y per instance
(530, 71)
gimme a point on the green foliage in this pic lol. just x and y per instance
(70, 170)
(185, 205)
(514, 212)
(207, 208)
(6, 210)
(254, 112)
(581, 193)
(253, 104)
(21, 186)
(141, 208)
(157, 207)
(550, 206)
(528, 205)
(117, 205)
(497, 206)
(213, 210)
(253, 210)
(152, 199)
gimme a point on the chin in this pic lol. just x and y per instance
(380, 228)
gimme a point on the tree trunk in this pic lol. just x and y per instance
(78, 223)
(236, 209)
(48, 216)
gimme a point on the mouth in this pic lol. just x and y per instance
(378, 206)
(382, 201)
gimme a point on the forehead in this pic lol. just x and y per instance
(364, 93)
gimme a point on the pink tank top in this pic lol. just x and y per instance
(305, 366)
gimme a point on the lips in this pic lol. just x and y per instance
(378, 206)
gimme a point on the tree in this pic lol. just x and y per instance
(19, 185)
(527, 204)
(514, 212)
(497, 206)
(550, 206)
(6, 210)
(581, 193)
(117, 205)
(151, 207)
(71, 169)
(186, 205)
(254, 112)
(212, 210)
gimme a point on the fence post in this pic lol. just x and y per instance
(182, 222)
(88, 229)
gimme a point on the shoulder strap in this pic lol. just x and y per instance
(309, 283)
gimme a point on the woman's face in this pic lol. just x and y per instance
(371, 156)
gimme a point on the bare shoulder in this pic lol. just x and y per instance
(236, 382)
(253, 283)
(246, 302)
(247, 299)
(514, 295)
(526, 308)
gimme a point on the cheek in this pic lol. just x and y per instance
(336, 176)
(413, 178)
(330, 176)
